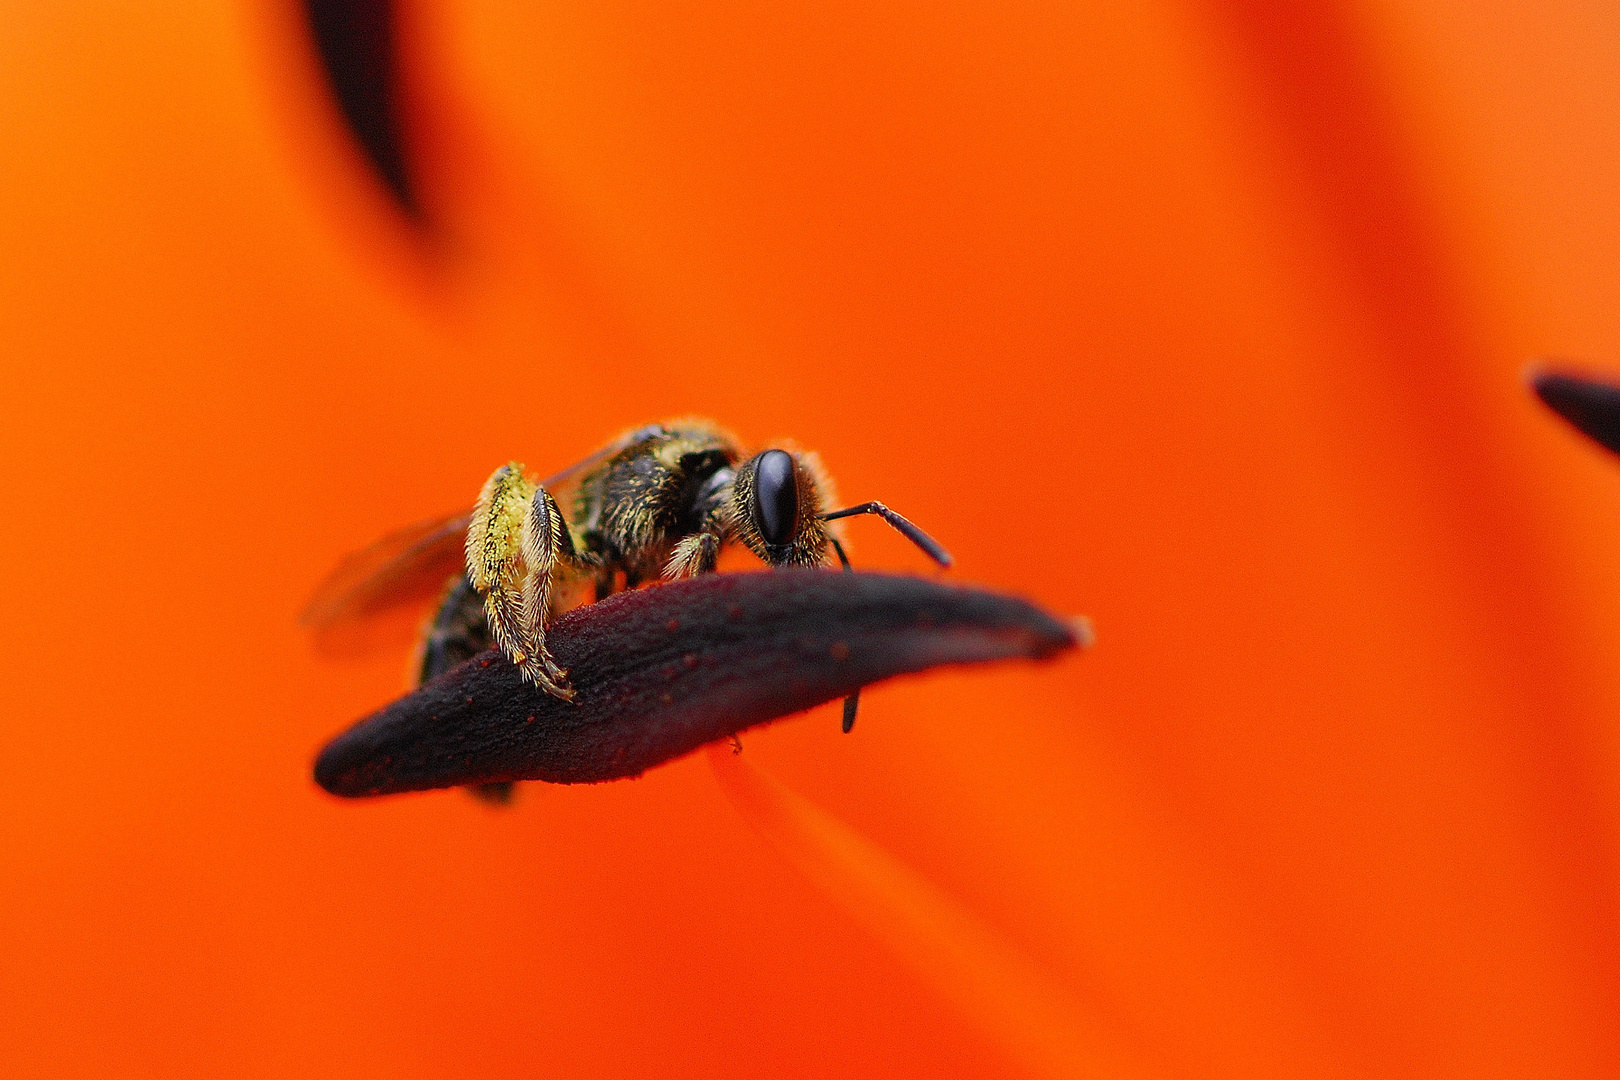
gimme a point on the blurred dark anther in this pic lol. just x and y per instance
(1592, 405)
(357, 43)
(662, 671)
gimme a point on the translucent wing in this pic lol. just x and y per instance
(408, 566)
(629, 438)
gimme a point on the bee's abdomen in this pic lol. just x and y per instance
(458, 632)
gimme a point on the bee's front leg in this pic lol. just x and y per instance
(513, 542)
(695, 554)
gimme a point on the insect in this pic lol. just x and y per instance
(661, 501)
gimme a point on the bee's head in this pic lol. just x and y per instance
(777, 501)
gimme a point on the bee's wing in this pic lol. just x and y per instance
(629, 438)
(407, 566)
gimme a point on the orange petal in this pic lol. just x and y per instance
(1038, 1023)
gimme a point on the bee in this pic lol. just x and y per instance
(661, 501)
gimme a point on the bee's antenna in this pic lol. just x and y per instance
(906, 529)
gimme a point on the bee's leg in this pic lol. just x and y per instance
(546, 542)
(512, 546)
(695, 554)
(853, 702)
(496, 792)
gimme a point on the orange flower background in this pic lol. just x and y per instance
(1204, 319)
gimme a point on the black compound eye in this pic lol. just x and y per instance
(776, 497)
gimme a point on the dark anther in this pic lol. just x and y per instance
(765, 645)
(1592, 405)
(776, 498)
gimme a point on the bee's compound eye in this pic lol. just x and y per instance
(776, 497)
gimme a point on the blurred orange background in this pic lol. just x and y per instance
(1205, 319)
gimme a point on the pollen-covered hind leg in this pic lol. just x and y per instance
(546, 541)
(513, 542)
